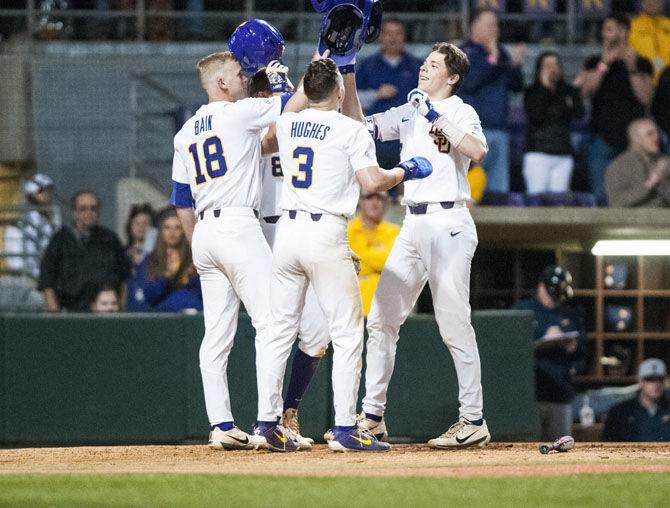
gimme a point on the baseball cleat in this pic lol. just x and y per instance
(367, 425)
(370, 426)
(275, 439)
(233, 439)
(462, 434)
(291, 423)
(356, 440)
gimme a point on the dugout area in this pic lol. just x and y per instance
(134, 379)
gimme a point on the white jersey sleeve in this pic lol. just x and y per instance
(386, 126)
(361, 149)
(467, 119)
(259, 113)
(179, 169)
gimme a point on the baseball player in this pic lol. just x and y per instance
(326, 157)
(215, 170)
(313, 332)
(436, 243)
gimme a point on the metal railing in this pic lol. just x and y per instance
(49, 19)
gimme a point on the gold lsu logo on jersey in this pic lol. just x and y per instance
(443, 145)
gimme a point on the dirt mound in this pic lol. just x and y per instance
(497, 459)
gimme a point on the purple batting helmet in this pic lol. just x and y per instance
(254, 43)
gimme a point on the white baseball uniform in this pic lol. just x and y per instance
(436, 244)
(313, 333)
(217, 153)
(320, 153)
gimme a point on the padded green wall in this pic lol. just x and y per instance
(82, 379)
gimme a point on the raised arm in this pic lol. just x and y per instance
(465, 142)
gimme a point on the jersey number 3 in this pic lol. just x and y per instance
(305, 158)
(215, 162)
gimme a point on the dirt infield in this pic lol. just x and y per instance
(498, 459)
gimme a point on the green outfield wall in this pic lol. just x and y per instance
(123, 379)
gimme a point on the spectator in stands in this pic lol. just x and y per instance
(650, 34)
(660, 107)
(140, 233)
(30, 235)
(371, 237)
(620, 86)
(640, 177)
(80, 257)
(647, 416)
(105, 299)
(494, 73)
(559, 349)
(551, 104)
(166, 281)
(384, 80)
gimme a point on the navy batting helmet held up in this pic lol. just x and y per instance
(255, 43)
(348, 24)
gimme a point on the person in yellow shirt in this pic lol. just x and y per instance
(371, 237)
(650, 34)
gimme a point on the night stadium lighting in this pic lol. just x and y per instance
(631, 248)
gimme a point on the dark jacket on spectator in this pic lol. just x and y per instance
(74, 265)
(630, 421)
(161, 294)
(549, 115)
(625, 183)
(660, 107)
(487, 86)
(614, 105)
(554, 367)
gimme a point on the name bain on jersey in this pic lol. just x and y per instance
(309, 130)
(203, 124)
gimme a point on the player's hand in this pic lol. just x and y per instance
(356, 260)
(420, 100)
(277, 74)
(416, 168)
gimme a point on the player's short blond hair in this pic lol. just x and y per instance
(211, 63)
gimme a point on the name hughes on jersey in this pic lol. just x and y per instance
(309, 130)
(203, 124)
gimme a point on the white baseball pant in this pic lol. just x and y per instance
(313, 331)
(234, 263)
(436, 247)
(321, 258)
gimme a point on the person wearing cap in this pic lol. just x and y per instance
(29, 237)
(371, 237)
(646, 417)
(559, 349)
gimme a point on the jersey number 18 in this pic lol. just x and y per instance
(215, 162)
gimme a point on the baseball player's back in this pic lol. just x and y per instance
(324, 156)
(218, 149)
(216, 171)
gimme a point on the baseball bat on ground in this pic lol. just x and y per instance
(562, 444)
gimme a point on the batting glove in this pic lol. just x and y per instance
(277, 74)
(421, 102)
(416, 168)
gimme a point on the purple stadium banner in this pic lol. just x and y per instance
(594, 7)
(494, 5)
(539, 6)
